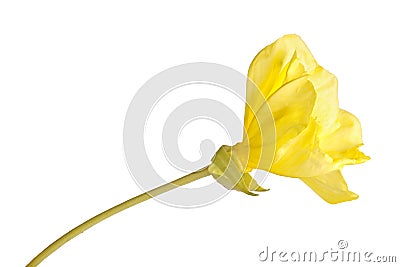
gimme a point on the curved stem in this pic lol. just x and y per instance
(116, 209)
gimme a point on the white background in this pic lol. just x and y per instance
(68, 72)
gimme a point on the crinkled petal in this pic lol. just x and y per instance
(310, 128)
(331, 187)
(281, 62)
(284, 60)
(342, 144)
(292, 106)
(301, 156)
(326, 107)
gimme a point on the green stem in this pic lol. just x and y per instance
(116, 209)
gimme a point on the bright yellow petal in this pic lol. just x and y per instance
(342, 145)
(278, 72)
(257, 149)
(347, 135)
(301, 156)
(292, 106)
(301, 109)
(326, 107)
(285, 60)
(331, 187)
(310, 127)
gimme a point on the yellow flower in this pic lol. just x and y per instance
(292, 110)
(292, 127)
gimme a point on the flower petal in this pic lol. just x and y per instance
(257, 149)
(292, 106)
(342, 144)
(331, 187)
(281, 62)
(284, 60)
(301, 156)
(326, 107)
